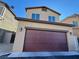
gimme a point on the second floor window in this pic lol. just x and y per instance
(51, 18)
(35, 16)
(1, 10)
(75, 23)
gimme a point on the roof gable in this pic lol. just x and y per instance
(72, 16)
(43, 7)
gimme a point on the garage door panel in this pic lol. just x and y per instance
(36, 40)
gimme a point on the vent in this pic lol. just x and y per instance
(44, 9)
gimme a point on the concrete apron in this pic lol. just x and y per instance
(42, 54)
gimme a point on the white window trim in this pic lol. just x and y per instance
(3, 11)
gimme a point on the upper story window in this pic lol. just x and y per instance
(1, 10)
(35, 16)
(75, 23)
(51, 18)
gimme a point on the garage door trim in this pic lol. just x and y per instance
(45, 29)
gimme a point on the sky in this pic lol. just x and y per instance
(64, 7)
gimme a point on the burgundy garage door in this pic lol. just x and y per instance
(36, 40)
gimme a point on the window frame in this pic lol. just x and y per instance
(38, 16)
(51, 18)
(3, 10)
(35, 16)
(78, 40)
(75, 23)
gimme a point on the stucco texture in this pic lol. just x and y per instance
(8, 21)
(43, 15)
(70, 21)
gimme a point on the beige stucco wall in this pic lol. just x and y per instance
(76, 31)
(8, 21)
(19, 41)
(1, 4)
(43, 15)
(70, 21)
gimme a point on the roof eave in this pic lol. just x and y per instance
(46, 22)
(8, 8)
(43, 7)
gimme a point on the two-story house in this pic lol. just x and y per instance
(73, 19)
(8, 27)
(42, 31)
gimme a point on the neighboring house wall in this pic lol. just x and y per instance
(43, 14)
(20, 34)
(5, 41)
(76, 32)
(70, 20)
(6, 47)
(8, 21)
(7, 37)
(1, 4)
(8, 26)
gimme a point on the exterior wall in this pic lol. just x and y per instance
(76, 31)
(7, 37)
(71, 19)
(20, 35)
(6, 47)
(19, 41)
(1, 4)
(43, 15)
(68, 20)
(8, 21)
